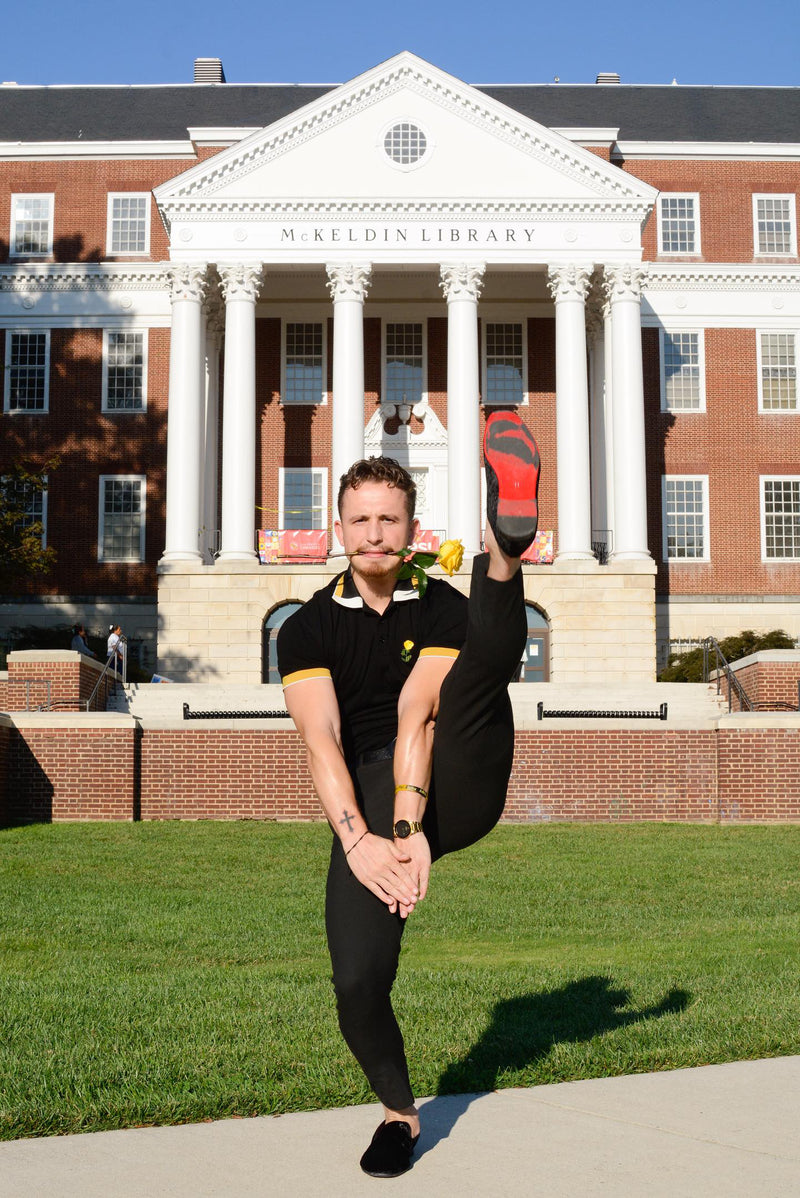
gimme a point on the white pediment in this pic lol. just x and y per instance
(328, 160)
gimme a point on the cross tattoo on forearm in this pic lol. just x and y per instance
(348, 819)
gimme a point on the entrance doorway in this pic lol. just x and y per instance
(535, 664)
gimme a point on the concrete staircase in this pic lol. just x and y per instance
(688, 704)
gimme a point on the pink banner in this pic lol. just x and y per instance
(427, 541)
(540, 551)
(292, 544)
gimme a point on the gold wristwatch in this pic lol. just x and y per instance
(405, 828)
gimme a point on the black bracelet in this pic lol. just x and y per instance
(352, 846)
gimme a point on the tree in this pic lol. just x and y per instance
(22, 553)
(688, 667)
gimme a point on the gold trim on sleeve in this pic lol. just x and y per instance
(304, 675)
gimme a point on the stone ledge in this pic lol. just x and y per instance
(76, 720)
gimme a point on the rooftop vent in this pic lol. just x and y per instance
(209, 70)
(607, 77)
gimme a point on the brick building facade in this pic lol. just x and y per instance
(213, 297)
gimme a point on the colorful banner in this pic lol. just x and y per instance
(540, 551)
(427, 541)
(293, 545)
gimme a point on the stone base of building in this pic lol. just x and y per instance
(211, 618)
(682, 621)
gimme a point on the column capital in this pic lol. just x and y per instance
(569, 282)
(459, 281)
(623, 282)
(188, 281)
(241, 281)
(349, 280)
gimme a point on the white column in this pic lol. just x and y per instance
(462, 287)
(209, 517)
(348, 285)
(598, 445)
(608, 415)
(240, 286)
(568, 287)
(623, 288)
(185, 413)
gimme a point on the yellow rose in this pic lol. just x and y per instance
(450, 557)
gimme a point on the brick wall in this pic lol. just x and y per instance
(759, 774)
(60, 677)
(726, 201)
(6, 739)
(213, 773)
(733, 444)
(89, 443)
(87, 770)
(103, 768)
(588, 775)
(768, 682)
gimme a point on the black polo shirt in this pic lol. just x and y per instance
(369, 656)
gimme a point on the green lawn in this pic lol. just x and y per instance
(158, 973)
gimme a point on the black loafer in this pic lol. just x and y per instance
(390, 1150)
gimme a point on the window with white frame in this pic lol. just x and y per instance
(122, 518)
(777, 370)
(128, 223)
(27, 501)
(303, 497)
(504, 374)
(31, 226)
(679, 223)
(774, 224)
(27, 373)
(404, 363)
(685, 518)
(303, 362)
(125, 372)
(682, 372)
(780, 519)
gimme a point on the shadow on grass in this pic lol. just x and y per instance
(523, 1030)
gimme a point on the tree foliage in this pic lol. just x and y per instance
(21, 550)
(688, 667)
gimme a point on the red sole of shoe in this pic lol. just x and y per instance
(513, 455)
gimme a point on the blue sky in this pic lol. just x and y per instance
(518, 41)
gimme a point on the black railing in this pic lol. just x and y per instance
(233, 715)
(575, 714)
(721, 666)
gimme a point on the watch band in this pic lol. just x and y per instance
(404, 828)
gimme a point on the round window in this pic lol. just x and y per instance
(405, 144)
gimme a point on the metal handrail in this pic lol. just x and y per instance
(711, 643)
(115, 672)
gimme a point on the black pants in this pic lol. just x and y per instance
(472, 755)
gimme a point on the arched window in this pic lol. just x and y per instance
(535, 664)
(269, 642)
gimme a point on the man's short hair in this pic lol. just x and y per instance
(379, 470)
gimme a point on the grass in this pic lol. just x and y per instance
(163, 973)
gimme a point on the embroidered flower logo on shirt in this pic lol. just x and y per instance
(405, 652)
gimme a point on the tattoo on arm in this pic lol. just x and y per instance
(348, 819)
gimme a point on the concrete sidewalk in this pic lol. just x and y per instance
(723, 1131)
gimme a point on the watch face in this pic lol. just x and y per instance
(402, 829)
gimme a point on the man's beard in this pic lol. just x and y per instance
(375, 567)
